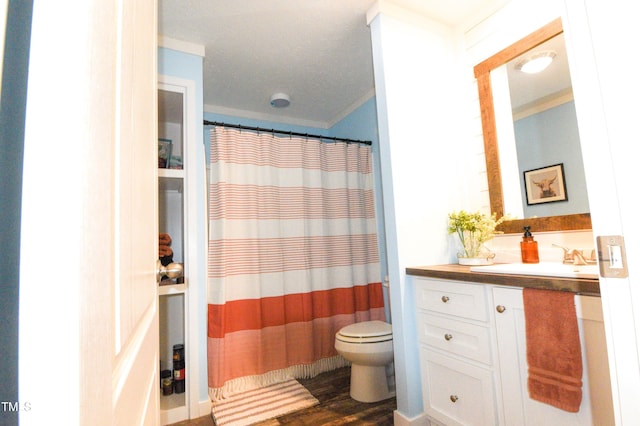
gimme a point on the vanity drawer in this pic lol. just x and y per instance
(455, 392)
(452, 298)
(461, 338)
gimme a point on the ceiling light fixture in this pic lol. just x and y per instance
(280, 100)
(536, 62)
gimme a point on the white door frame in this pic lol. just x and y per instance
(192, 270)
(598, 35)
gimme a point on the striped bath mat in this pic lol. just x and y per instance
(254, 406)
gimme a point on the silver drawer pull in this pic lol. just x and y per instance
(453, 398)
(448, 337)
(445, 299)
(500, 309)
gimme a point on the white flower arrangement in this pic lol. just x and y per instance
(473, 230)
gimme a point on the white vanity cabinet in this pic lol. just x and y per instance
(456, 338)
(519, 409)
(473, 359)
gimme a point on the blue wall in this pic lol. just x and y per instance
(230, 119)
(363, 124)
(547, 138)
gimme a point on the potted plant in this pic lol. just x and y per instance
(473, 230)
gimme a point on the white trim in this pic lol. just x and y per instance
(601, 92)
(191, 145)
(406, 14)
(204, 409)
(181, 46)
(217, 109)
(351, 108)
(543, 104)
(399, 419)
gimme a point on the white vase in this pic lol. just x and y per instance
(485, 257)
(475, 261)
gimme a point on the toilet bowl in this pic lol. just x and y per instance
(368, 346)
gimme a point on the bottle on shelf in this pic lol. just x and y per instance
(178, 368)
(166, 382)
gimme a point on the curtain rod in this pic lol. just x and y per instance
(283, 132)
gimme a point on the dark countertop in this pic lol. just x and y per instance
(588, 287)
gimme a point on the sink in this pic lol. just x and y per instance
(546, 269)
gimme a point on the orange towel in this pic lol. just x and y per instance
(164, 250)
(164, 239)
(553, 348)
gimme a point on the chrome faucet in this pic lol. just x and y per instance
(574, 256)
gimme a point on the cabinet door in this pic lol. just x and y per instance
(519, 409)
(456, 392)
(509, 330)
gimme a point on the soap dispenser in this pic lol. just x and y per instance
(529, 247)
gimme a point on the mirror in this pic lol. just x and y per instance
(483, 74)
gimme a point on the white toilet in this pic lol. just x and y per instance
(368, 346)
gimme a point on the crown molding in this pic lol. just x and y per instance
(181, 46)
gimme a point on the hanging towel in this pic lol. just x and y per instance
(164, 251)
(164, 239)
(553, 348)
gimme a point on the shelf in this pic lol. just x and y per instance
(171, 173)
(177, 202)
(173, 408)
(170, 180)
(169, 289)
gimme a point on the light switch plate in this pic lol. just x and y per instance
(611, 256)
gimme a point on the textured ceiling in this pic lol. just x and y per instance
(526, 89)
(316, 51)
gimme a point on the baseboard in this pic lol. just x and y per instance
(400, 419)
(204, 409)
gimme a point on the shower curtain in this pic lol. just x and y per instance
(293, 256)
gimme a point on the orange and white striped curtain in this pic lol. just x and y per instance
(293, 256)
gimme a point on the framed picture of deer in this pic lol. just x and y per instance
(545, 185)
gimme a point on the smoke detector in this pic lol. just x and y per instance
(280, 100)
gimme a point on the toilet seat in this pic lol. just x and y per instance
(366, 332)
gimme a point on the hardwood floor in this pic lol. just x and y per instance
(335, 408)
